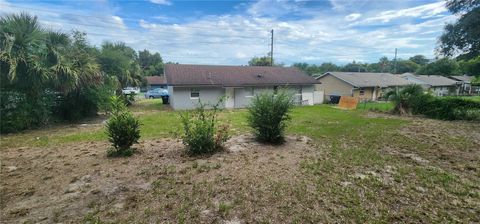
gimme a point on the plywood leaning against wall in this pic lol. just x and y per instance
(348, 103)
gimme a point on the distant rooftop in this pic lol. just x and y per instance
(367, 79)
(431, 80)
(464, 78)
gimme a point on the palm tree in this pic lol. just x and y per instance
(404, 98)
(22, 44)
(35, 61)
(71, 62)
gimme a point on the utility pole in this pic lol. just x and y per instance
(395, 63)
(271, 50)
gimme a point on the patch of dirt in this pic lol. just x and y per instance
(75, 182)
(451, 145)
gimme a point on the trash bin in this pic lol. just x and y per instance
(165, 99)
(334, 99)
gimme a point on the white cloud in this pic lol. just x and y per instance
(353, 17)
(338, 4)
(430, 26)
(422, 11)
(272, 7)
(118, 22)
(161, 2)
(234, 39)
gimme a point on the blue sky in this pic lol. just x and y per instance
(232, 32)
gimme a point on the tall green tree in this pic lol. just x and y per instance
(419, 59)
(355, 67)
(261, 61)
(444, 66)
(312, 69)
(384, 64)
(121, 61)
(23, 73)
(463, 36)
(150, 64)
(404, 66)
(37, 67)
(470, 67)
(22, 44)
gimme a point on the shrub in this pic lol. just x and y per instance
(405, 98)
(18, 112)
(123, 130)
(129, 99)
(117, 105)
(268, 115)
(412, 100)
(87, 101)
(202, 134)
(451, 108)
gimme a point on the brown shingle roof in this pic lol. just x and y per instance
(156, 80)
(220, 75)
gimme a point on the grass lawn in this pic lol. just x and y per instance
(474, 98)
(359, 166)
(376, 106)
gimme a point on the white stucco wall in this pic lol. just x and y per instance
(180, 96)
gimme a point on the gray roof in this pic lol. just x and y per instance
(464, 78)
(222, 75)
(366, 79)
(431, 80)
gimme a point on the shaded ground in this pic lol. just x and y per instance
(357, 167)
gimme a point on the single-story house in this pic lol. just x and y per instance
(437, 84)
(155, 82)
(465, 84)
(187, 84)
(364, 85)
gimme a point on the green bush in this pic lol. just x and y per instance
(405, 100)
(412, 100)
(268, 115)
(450, 108)
(123, 130)
(117, 105)
(18, 112)
(128, 99)
(86, 101)
(202, 134)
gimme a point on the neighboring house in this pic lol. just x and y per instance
(155, 82)
(465, 84)
(365, 86)
(437, 84)
(188, 84)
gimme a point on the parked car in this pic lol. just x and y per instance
(156, 93)
(130, 90)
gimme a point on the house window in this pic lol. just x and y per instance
(194, 93)
(362, 92)
(249, 91)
